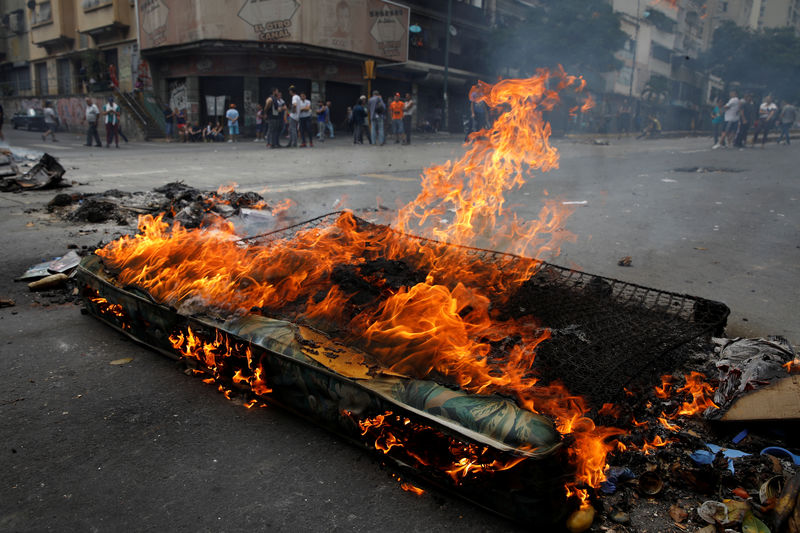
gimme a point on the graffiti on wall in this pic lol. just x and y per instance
(250, 108)
(177, 95)
(70, 110)
(154, 16)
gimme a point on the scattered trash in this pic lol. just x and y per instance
(36, 271)
(777, 451)
(65, 263)
(123, 361)
(600, 142)
(7, 302)
(751, 524)
(739, 436)
(176, 200)
(50, 282)
(576, 202)
(678, 513)
(713, 512)
(46, 174)
(57, 265)
(650, 484)
(786, 504)
(614, 477)
(770, 489)
(746, 366)
(625, 261)
(581, 520)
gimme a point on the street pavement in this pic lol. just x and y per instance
(89, 446)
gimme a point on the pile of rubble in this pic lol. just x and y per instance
(176, 200)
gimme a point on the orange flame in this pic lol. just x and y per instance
(444, 323)
(701, 393)
(665, 423)
(666, 388)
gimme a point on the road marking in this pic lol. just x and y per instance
(309, 185)
(52, 147)
(141, 173)
(388, 177)
(694, 151)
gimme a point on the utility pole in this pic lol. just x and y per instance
(635, 46)
(447, 64)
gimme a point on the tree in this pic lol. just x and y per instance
(767, 60)
(580, 35)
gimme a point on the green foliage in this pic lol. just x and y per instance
(768, 59)
(580, 35)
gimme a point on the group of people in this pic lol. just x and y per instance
(369, 118)
(294, 118)
(733, 120)
(110, 114)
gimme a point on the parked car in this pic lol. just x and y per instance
(32, 119)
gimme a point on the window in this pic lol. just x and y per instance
(64, 76)
(661, 53)
(41, 78)
(15, 80)
(43, 13)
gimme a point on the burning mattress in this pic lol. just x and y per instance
(469, 440)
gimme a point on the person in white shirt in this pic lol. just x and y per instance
(408, 113)
(92, 113)
(767, 113)
(731, 120)
(50, 122)
(111, 114)
(294, 115)
(305, 121)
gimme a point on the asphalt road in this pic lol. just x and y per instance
(89, 446)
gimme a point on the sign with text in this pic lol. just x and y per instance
(377, 28)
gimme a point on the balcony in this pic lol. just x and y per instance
(103, 19)
(52, 24)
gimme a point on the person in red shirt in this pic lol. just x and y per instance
(397, 108)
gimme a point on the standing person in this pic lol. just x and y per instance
(716, 119)
(408, 114)
(322, 120)
(397, 107)
(50, 122)
(91, 115)
(731, 120)
(111, 114)
(233, 123)
(294, 115)
(275, 107)
(180, 121)
(305, 121)
(359, 120)
(747, 116)
(377, 112)
(787, 118)
(259, 124)
(169, 122)
(329, 122)
(767, 113)
(2, 117)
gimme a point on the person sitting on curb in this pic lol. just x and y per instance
(194, 133)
